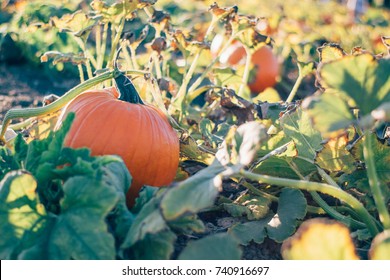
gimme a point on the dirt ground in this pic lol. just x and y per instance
(23, 85)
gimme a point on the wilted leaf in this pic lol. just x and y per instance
(330, 52)
(189, 150)
(362, 79)
(41, 127)
(115, 9)
(58, 57)
(320, 239)
(241, 144)
(78, 23)
(251, 206)
(380, 246)
(335, 157)
(221, 246)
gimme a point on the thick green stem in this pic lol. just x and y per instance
(319, 187)
(375, 184)
(56, 105)
(324, 205)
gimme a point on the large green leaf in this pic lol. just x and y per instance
(363, 79)
(254, 230)
(81, 232)
(285, 167)
(220, 246)
(148, 221)
(298, 126)
(291, 208)
(158, 246)
(22, 217)
(330, 113)
(194, 194)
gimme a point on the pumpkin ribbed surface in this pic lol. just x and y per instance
(140, 134)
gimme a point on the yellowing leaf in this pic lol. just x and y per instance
(380, 247)
(42, 126)
(330, 52)
(320, 239)
(335, 157)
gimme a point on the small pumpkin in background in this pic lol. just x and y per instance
(264, 62)
(139, 133)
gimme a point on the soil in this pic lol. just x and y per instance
(23, 85)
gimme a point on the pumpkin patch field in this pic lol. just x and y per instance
(194, 130)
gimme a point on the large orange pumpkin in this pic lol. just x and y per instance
(139, 133)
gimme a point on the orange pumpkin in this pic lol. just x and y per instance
(139, 133)
(264, 61)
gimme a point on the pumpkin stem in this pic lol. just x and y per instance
(125, 87)
(127, 90)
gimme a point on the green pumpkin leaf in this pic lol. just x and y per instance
(320, 239)
(206, 128)
(158, 246)
(220, 246)
(298, 126)
(22, 215)
(148, 221)
(279, 226)
(194, 194)
(252, 206)
(362, 79)
(380, 246)
(187, 225)
(285, 167)
(330, 113)
(84, 207)
(291, 208)
(254, 230)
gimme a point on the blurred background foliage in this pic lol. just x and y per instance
(297, 28)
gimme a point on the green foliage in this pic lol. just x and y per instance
(277, 226)
(220, 246)
(251, 160)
